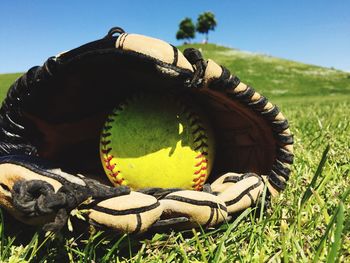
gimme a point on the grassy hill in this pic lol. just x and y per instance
(308, 222)
(278, 78)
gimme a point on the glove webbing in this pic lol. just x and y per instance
(37, 198)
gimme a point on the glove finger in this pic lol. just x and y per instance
(133, 213)
(199, 207)
(242, 194)
(225, 181)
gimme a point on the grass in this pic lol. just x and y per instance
(308, 222)
(5, 81)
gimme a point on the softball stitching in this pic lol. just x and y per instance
(107, 158)
(201, 144)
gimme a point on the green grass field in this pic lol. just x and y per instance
(308, 222)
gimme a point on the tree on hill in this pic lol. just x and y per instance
(205, 23)
(186, 30)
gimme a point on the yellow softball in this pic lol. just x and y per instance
(157, 141)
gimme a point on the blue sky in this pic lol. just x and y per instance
(314, 32)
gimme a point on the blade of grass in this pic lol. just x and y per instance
(199, 245)
(106, 258)
(129, 246)
(227, 232)
(263, 201)
(329, 227)
(89, 248)
(140, 253)
(206, 236)
(321, 203)
(308, 192)
(171, 257)
(39, 246)
(284, 239)
(183, 253)
(332, 256)
(95, 246)
(262, 255)
(7, 248)
(78, 252)
(323, 182)
(31, 246)
(300, 250)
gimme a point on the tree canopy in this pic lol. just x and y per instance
(206, 22)
(186, 30)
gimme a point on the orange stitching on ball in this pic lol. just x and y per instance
(199, 156)
(105, 150)
(201, 162)
(110, 167)
(201, 176)
(198, 131)
(202, 168)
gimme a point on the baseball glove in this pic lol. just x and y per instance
(51, 119)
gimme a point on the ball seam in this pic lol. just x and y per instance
(106, 148)
(200, 137)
